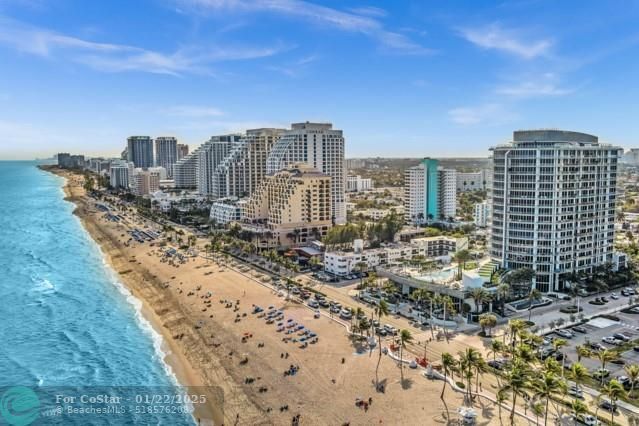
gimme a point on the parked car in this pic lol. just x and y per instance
(597, 346)
(608, 406)
(610, 340)
(496, 364)
(589, 420)
(313, 304)
(390, 329)
(621, 336)
(602, 372)
(380, 331)
(335, 309)
(575, 391)
(345, 314)
(324, 303)
(604, 299)
(565, 333)
(579, 329)
(614, 296)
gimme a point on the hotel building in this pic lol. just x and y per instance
(240, 173)
(185, 171)
(290, 207)
(430, 192)
(553, 204)
(321, 147)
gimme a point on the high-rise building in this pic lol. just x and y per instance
(553, 202)
(185, 171)
(321, 147)
(140, 151)
(182, 150)
(631, 157)
(292, 206)
(239, 174)
(119, 174)
(166, 153)
(210, 155)
(430, 192)
(482, 214)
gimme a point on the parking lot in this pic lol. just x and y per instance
(598, 328)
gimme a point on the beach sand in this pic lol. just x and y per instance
(205, 346)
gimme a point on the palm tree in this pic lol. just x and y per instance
(515, 326)
(582, 352)
(500, 398)
(547, 385)
(487, 321)
(578, 373)
(632, 371)
(405, 337)
(613, 390)
(479, 296)
(516, 381)
(381, 310)
(557, 344)
(448, 363)
(605, 357)
(461, 257)
(578, 408)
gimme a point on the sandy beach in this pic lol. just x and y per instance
(203, 310)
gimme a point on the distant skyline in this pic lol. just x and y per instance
(402, 79)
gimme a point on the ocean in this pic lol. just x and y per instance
(67, 326)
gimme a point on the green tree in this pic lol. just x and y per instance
(405, 337)
(547, 385)
(632, 371)
(448, 363)
(613, 390)
(604, 358)
(381, 310)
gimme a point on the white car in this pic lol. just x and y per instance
(590, 420)
(575, 391)
(313, 304)
(614, 296)
(345, 314)
(565, 333)
(610, 340)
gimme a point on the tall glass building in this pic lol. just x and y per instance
(140, 151)
(553, 204)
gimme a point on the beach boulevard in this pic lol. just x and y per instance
(204, 309)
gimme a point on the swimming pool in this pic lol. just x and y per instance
(445, 275)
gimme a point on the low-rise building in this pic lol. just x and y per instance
(377, 214)
(145, 182)
(472, 181)
(345, 262)
(225, 211)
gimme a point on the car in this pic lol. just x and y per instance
(618, 361)
(380, 331)
(546, 353)
(597, 346)
(565, 333)
(547, 341)
(621, 336)
(575, 391)
(313, 304)
(559, 356)
(317, 314)
(610, 340)
(390, 329)
(602, 372)
(635, 348)
(604, 299)
(589, 420)
(579, 329)
(345, 314)
(625, 293)
(324, 303)
(608, 406)
(614, 296)
(375, 323)
(335, 309)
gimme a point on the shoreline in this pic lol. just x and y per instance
(177, 365)
(203, 309)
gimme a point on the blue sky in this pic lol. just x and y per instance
(401, 78)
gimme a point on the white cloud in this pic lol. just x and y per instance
(369, 11)
(530, 89)
(490, 113)
(362, 21)
(117, 57)
(495, 37)
(538, 86)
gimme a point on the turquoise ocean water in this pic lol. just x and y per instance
(66, 324)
